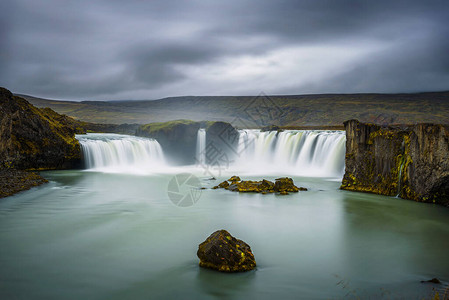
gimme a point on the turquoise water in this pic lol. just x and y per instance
(89, 235)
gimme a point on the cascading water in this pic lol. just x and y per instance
(291, 152)
(201, 147)
(120, 153)
(311, 153)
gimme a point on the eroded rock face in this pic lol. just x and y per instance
(33, 138)
(223, 252)
(409, 161)
(179, 139)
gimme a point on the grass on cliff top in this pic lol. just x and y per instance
(152, 127)
(157, 126)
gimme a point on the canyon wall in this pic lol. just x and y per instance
(411, 162)
(179, 138)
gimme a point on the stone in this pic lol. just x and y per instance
(282, 185)
(433, 280)
(223, 252)
(224, 184)
(285, 184)
(234, 179)
(409, 161)
(36, 138)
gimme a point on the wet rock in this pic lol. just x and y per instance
(224, 184)
(234, 179)
(409, 161)
(302, 189)
(433, 280)
(223, 252)
(285, 184)
(13, 181)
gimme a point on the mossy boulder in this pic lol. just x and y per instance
(285, 184)
(282, 185)
(234, 179)
(223, 252)
(223, 185)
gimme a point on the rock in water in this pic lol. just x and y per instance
(223, 252)
(285, 184)
(433, 280)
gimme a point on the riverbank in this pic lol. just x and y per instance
(13, 181)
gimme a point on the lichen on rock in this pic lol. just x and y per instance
(34, 138)
(409, 161)
(223, 252)
(282, 186)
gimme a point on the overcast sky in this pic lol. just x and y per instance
(134, 49)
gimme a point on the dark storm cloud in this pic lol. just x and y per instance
(150, 49)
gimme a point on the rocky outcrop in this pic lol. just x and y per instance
(179, 139)
(271, 128)
(223, 252)
(282, 186)
(409, 161)
(33, 138)
(13, 181)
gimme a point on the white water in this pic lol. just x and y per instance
(292, 152)
(116, 153)
(308, 153)
(201, 147)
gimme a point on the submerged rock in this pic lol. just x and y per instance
(223, 252)
(433, 280)
(282, 185)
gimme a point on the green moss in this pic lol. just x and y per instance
(153, 127)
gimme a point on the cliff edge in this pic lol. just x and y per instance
(35, 138)
(411, 162)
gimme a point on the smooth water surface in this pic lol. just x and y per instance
(90, 235)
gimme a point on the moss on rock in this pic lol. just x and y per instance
(223, 252)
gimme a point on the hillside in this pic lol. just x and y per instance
(248, 111)
(34, 138)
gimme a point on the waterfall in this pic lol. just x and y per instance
(309, 153)
(120, 153)
(291, 152)
(201, 147)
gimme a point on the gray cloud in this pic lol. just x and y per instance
(149, 49)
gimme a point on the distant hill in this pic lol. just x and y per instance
(249, 111)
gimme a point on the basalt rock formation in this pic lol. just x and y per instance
(33, 138)
(409, 161)
(223, 252)
(179, 138)
(282, 186)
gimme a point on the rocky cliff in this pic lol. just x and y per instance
(409, 161)
(179, 139)
(33, 138)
